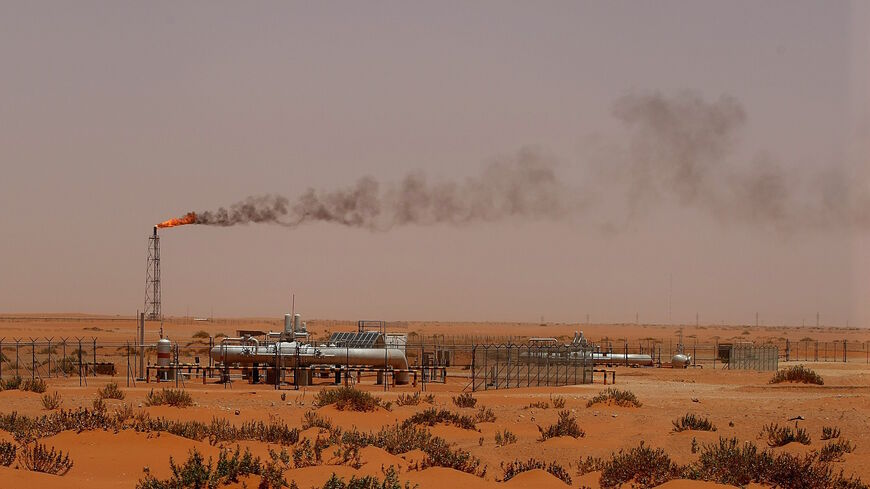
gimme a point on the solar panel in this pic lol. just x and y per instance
(366, 339)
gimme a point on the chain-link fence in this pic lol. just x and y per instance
(513, 366)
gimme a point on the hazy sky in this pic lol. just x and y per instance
(723, 147)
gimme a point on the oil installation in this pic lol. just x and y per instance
(363, 351)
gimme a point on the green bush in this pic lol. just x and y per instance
(36, 385)
(780, 436)
(692, 422)
(833, 451)
(565, 426)
(50, 402)
(38, 458)
(8, 451)
(517, 467)
(408, 399)
(730, 462)
(172, 397)
(465, 400)
(617, 397)
(391, 481)
(347, 399)
(644, 467)
(197, 473)
(830, 432)
(11, 383)
(505, 437)
(485, 415)
(433, 416)
(797, 373)
(111, 391)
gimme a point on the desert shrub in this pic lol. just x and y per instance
(780, 436)
(391, 481)
(123, 413)
(692, 422)
(433, 416)
(304, 455)
(539, 405)
(465, 400)
(36, 385)
(643, 466)
(517, 467)
(429, 398)
(439, 453)
(111, 391)
(834, 451)
(408, 399)
(797, 373)
(347, 399)
(505, 437)
(272, 472)
(729, 462)
(485, 415)
(830, 432)
(8, 450)
(616, 396)
(311, 419)
(50, 402)
(403, 438)
(172, 397)
(11, 383)
(232, 466)
(38, 458)
(201, 334)
(217, 431)
(799, 472)
(558, 402)
(197, 473)
(565, 426)
(99, 404)
(394, 439)
(589, 464)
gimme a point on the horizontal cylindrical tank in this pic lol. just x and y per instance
(623, 359)
(292, 354)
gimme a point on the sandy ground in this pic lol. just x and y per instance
(738, 403)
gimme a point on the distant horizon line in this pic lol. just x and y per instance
(79, 316)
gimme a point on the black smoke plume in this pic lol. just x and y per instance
(525, 185)
(678, 149)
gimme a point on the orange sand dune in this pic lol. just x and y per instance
(738, 403)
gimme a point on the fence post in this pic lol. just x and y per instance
(64, 357)
(17, 360)
(845, 351)
(80, 362)
(32, 359)
(128, 364)
(95, 357)
(49, 356)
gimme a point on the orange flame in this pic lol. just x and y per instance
(189, 218)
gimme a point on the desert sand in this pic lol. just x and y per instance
(738, 403)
